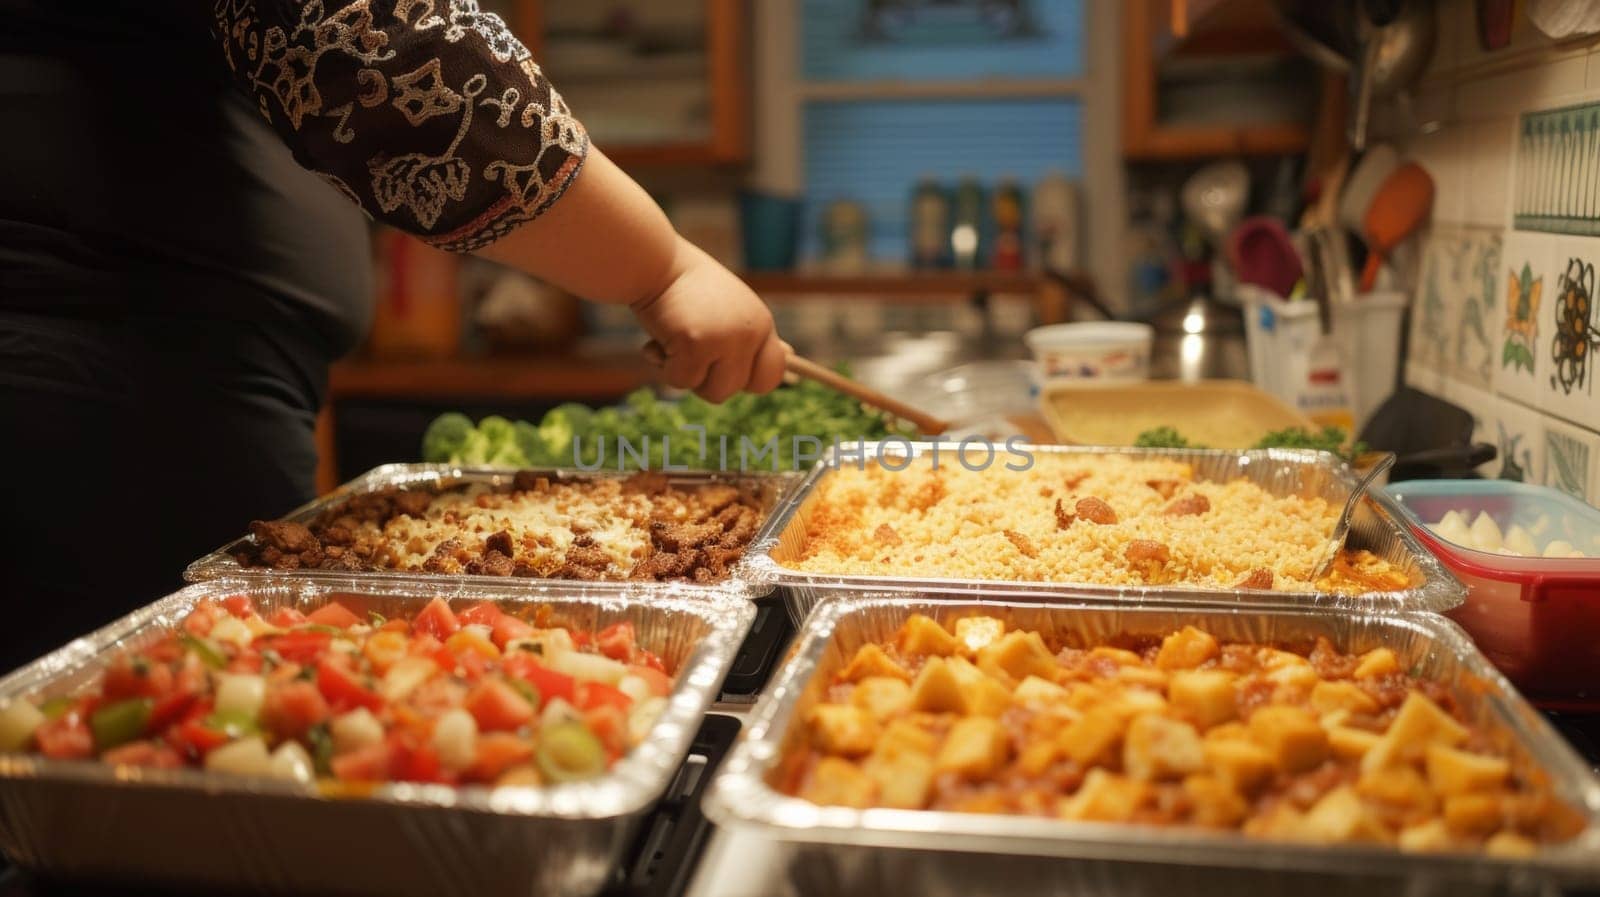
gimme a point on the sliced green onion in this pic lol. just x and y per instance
(569, 752)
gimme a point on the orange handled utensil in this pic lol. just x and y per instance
(1401, 206)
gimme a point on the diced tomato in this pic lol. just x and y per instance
(436, 620)
(202, 618)
(484, 613)
(549, 683)
(170, 709)
(196, 738)
(290, 708)
(144, 753)
(342, 689)
(401, 626)
(333, 614)
(497, 706)
(65, 738)
(647, 659)
(580, 638)
(300, 646)
(410, 720)
(660, 683)
(364, 764)
(412, 759)
(136, 677)
(239, 605)
(167, 650)
(507, 628)
(496, 753)
(597, 694)
(610, 725)
(286, 618)
(248, 660)
(617, 641)
(384, 649)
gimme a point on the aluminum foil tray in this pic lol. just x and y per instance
(773, 489)
(1377, 525)
(88, 821)
(838, 850)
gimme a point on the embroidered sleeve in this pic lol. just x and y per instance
(428, 113)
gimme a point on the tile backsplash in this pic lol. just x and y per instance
(1503, 322)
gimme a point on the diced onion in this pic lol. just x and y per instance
(635, 688)
(588, 667)
(404, 677)
(544, 643)
(642, 718)
(479, 629)
(290, 761)
(356, 729)
(248, 756)
(240, 693)
(232, 629)
(455, 738)
(259, 627)
(557, 711)
(19, 719)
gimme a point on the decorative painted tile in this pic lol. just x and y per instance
(1435, 315)
(1571, 456)
(1478, 280)
(1556, 169)
(1526, 282)
(1573, 336)
(1519, 437)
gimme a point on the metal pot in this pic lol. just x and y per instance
(1199, 338)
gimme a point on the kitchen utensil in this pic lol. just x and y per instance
(1221, 414)
(1401, 206)
(1199, 338)
(925, 423)
(1325, 32)
(1377, 163)
(1214, 198)
(1334, 251)
(1397, 38)
(1432, 437)
(1341, 529)
(1262, 254)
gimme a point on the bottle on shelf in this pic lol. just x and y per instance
(966, 231)
(1007, 253)
(1055, 220)
(930, 225)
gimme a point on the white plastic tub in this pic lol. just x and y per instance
(1100, 350)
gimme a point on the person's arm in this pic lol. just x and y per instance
(436, 120)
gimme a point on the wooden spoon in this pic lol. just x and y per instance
(926, 424)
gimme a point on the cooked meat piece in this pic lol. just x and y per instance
(283, 535)
(528, 481)
(885, 535)
(577, 571)
(588, 556)
(493, 563)
(340, 532)
(743, 529)
(1142, 550)
(662, 565)
(1259, 578)
(1188, 505)
(345, 560)
(448, 557)
(1023, 543)
(412, 503)
(500, 542)
(649, 482)
(1063, 519)
(1096, 510)
(583, 540)
(1167, 488)
(679, 536)
(714, 498)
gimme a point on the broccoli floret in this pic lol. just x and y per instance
(474, 450)
(446, 436)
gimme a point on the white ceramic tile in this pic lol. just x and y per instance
(1426, 379)
(1488, 150)
(1572, 457)
(1435, 314)
(1516, 91)
(1527, 280)
(1441, 154)
(1484, 408)
(1480, 285)
(1519, 439)
(1568, 390)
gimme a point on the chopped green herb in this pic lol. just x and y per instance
(1163, 437)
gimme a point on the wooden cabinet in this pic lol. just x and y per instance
(656, 82)
(1211, 77)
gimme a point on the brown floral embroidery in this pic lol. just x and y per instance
(428, 113)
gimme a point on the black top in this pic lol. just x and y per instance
(149, 165)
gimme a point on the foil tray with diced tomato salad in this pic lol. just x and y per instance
(481, 696)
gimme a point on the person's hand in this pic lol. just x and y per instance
(711, 333)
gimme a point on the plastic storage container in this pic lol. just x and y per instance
(1537, 619)
(1099, 350)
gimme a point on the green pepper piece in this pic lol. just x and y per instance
(55, 708)
(209, 654)
(525, 689)
(321, 749)
(120, 723)
(232, 723)
(568, 752)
